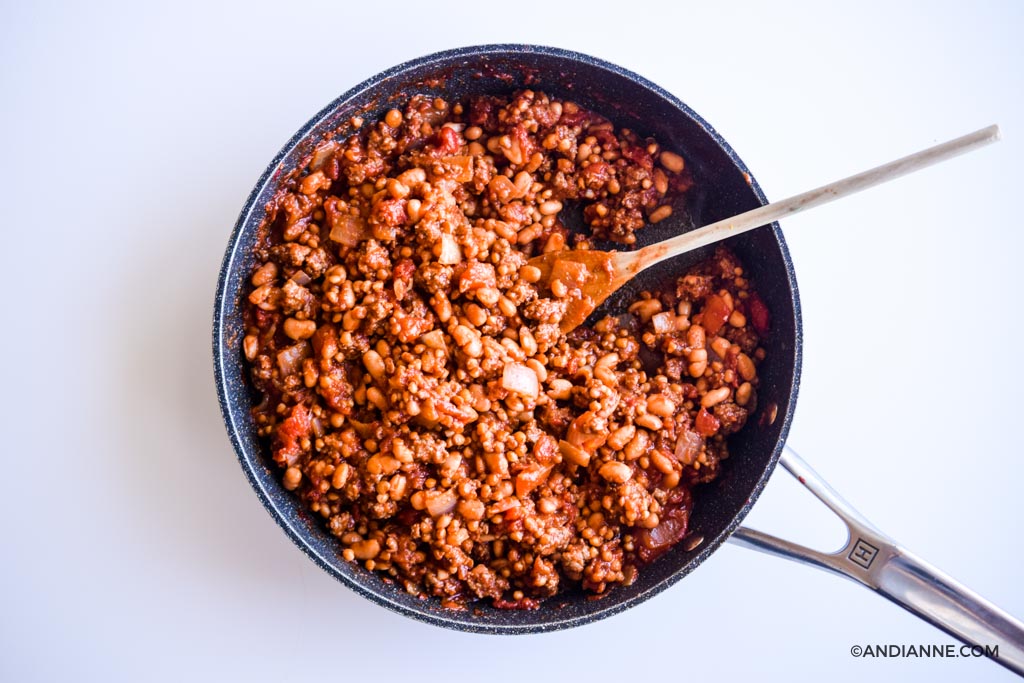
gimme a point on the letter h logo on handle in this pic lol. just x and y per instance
(863, 553)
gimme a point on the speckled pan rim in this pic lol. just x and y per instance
(462, 620)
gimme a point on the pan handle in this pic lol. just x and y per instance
(873, 559)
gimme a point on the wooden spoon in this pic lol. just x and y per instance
(587, 277)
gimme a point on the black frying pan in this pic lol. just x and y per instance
(723, 187)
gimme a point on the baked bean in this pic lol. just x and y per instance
(292, 478)
(555, 243)
(550, 207)
(366, 550)
(746, 367)
(265, 274)
(462, 335)
(299, 329)
(648, 421)
(695, 338)
(672, 162)
(637, 446)
(474, 349)
(538, 368)
(560, 389)
(621, 436)
(720, 345)
(574, 454)
(530, 273)
(527, 341)
(645, 309)
(265, 297)
(488, 295)
(661, 213)
(715, 396)
(382, 464)
(340, 476)
(476, 315)
(471, 509)
(661, 405)
(616, 472)
(507, 308)
(604, 369)
(660, 181)
(661, 462)
(396, 490)
(376, 397)
(251, 346)
(397, 189)
(374, 364)
(413, 177)
(310, 373)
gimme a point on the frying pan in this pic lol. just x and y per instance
(723, 187)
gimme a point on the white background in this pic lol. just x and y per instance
(134, 549)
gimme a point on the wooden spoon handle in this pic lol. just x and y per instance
(768, 213)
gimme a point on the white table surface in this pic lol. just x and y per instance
(135, 550)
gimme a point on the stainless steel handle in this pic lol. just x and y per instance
(874, 560)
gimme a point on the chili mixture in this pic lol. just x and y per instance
(414, 385)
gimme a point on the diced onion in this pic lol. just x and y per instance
(348, 230)
(669, 532)
(688, 446)
(520, 379)
(441, 503)
(451, 252)
(663, 323)
(464, 164)
(321, 154)
(301, 278)
(289, 359)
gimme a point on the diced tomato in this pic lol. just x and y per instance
(390, 212)
(707, 424)
(571, 273)
(670, 530)
(596, 175)
(760, 318)
(716, 312)
(325, 342)
(265, 319)
(410, 327)
(290, 433)
(521, 136)
(530, 478)
(448, 141)
(404, 269)
(573, 119)
(477, 275)
(638, 155)
(545, 451)
(335, 387)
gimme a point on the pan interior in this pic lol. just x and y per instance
(723, 188)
